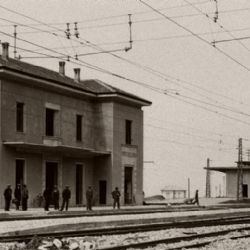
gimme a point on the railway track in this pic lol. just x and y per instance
(209, 238)
(123, 229)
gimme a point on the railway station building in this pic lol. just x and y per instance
(56, 130)
(231, 174)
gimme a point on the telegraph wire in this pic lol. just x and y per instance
(232, 39)
(219, 24)
(124, 23)
(128, 79)
(103, 18)
(195, 35)
(119, 57)
(155, 38)
(201, 131)
(137, 82)
(210, 110)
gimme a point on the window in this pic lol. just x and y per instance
(128, 132)
(19, 116)
(49, 126)
(78, 127)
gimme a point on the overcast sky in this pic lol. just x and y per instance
(200, 93)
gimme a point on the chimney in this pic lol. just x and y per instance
(5, 51)
(62, 67)
(77, 74)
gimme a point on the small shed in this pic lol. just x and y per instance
(173, 192)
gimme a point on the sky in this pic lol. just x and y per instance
(195, 71)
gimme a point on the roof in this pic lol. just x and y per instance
(173, 187)
(93, 86)
(225, 169)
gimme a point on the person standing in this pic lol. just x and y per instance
(47, 197)
(18, 195)
(7, 197)
(89, 198)
(25, 197)
(55, 197)
(196, 197)
(66, 194)
(116, 197)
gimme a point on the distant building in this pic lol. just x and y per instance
(173, 192)
(231, 174)
(55, 130)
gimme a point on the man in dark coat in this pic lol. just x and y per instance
(55, 197)
(89, 198)
(66, 194)
(116, 197)
(25, 197)
(196, 197)
(47, 197)
(7, 197)
(18, 195)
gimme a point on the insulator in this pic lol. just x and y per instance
(67, 32)
(76, 31)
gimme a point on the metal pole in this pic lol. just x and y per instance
(15, 35)
(239, 172)
(188, 188)
(208, 180)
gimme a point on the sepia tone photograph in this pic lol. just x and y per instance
(124, 124)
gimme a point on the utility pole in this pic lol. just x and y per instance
(239, 172)
(188, 188)
(208, 180)
(15, 37)
(248, 154)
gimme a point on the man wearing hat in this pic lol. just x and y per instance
(66, 194)
(7, 197)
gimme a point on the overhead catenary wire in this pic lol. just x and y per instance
(88, 43)
(102, 18)
(195, 35)
(125, 78)
(218, 23)
(139, 83)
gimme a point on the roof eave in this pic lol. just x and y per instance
(123, 97)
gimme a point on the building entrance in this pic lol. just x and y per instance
(51, 174)
(128, 193)
(19, 172)
(245, 191)
(102, 192)
(79, 183)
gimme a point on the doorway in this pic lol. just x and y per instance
(128, 187)
(20, 171)
(51, 175)
(79, 183)
(102, 192)
(245, 191)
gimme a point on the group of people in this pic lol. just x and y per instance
(52, 197)
(21, 196)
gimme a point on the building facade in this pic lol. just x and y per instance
(173, 192)
(231, 179)
(61, 131)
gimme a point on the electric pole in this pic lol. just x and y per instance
(188, 188)
(208, 180)
(239, 172)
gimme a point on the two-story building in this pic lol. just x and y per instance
(55, 130)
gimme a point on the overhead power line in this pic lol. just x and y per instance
(150, 70)
(107, 17)
(195, 35)
(122, 77)
(215, 19)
